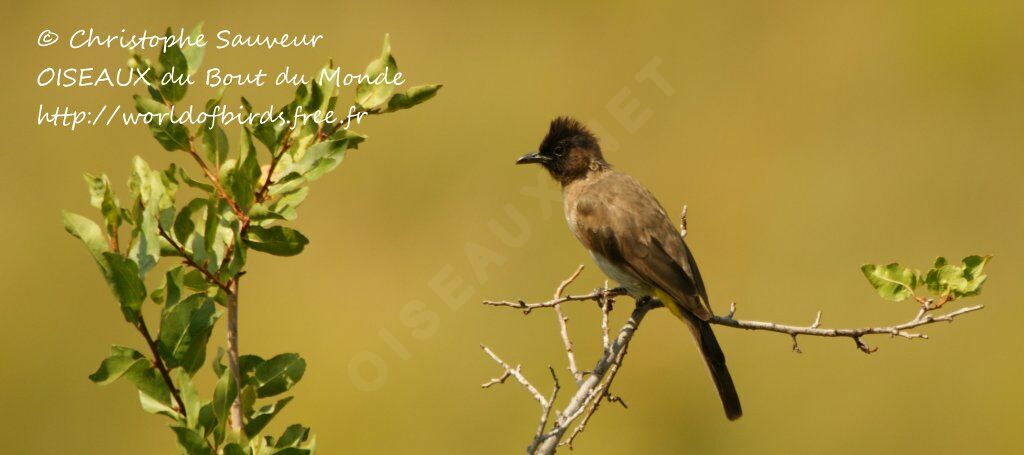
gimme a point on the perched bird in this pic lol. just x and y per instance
(631, 238)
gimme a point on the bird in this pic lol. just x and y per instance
(631, 238)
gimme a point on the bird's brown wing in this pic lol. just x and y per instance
(619, 219)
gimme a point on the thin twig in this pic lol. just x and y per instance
(547, 412)
(515, 373)
(564, 330)
(529, 307)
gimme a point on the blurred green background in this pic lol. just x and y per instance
(806, 137)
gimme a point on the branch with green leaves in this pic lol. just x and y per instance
(946, 282)
(206, 228)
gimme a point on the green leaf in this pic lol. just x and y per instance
(185, 328)
(114, 367)
(412, 97)
(190, 397)
(151, 198)
(136, 368)
(184, 225)
(278, 374)
(973, 277)
(293, 436)
(223, 396)
(247, 365)
(276, 240)
(893, 282)
(193, 182)
(370, 95)
(313, 164)
(217, 364)
(215, 143)
(192, 442)
(196, 281)
(170, 290)
(248, 398)
(126, 284)
(244, 180)
(213, 210)
(154, 406)
(174, 64)
(321, 159)
(270, 133)
(194, 54)
(259, 419)
(328, 88)
(172, 136)
(207, 421)
(238, 257)
(90, 234)
(287, 203)
(957, 280)
(234, 449)
(103, 198)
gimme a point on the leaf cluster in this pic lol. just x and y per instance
(207, 226)
(944, 280)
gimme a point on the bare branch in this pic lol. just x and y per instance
(896, 330)
(595, 386)
(901, 330)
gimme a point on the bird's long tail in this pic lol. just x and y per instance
(715, 359)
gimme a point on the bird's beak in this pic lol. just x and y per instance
(532, 158)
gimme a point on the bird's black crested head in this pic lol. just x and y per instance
(569, 151)
(566, 133)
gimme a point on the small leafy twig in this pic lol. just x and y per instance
(895, 330)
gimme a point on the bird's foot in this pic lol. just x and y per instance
(608, 295)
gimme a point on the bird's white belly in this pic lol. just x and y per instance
(636, 287)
